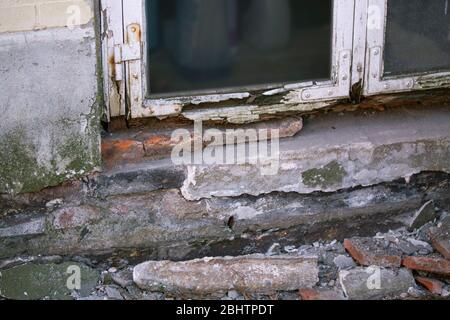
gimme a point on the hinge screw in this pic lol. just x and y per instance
(308, 95)
(376, 52)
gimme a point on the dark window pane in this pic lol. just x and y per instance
(417, 36)
(197, 45)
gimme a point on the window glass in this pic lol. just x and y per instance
(417, 36)
(197, 45)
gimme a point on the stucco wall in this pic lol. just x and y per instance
(49, 124)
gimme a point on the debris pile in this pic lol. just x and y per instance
(401, 264)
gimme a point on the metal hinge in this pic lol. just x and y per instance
(130, 51)
(340, 86)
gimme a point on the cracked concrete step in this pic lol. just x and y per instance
(336, 152)
(331, 153)
(253, 273)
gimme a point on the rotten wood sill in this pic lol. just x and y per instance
(263, 108)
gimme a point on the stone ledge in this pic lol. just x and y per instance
(338, 152)
(331, 153)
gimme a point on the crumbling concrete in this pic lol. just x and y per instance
(338, 152)
(135, 145)
(166, 226)
(140, 207)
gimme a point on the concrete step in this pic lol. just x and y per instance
(335, 152)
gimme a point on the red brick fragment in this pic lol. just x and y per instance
(432, 265)
(367, 253)
(442, 245)
(161, 146)
(119, 152)
(432, 285)
(315, 294)
(440, 239)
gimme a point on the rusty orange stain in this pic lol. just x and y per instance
(158, 140)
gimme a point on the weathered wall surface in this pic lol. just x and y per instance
(143, 206)
(161, 224)
(49, 128)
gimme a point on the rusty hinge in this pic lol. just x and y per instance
(129, 51)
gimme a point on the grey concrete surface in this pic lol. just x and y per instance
(335, 152)
(49, 125)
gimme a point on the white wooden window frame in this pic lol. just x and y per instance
(375, 82)
(359, 28)
(140, 104)
(112, 35)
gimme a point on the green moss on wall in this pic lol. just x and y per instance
(71, 156)
(330, 175)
